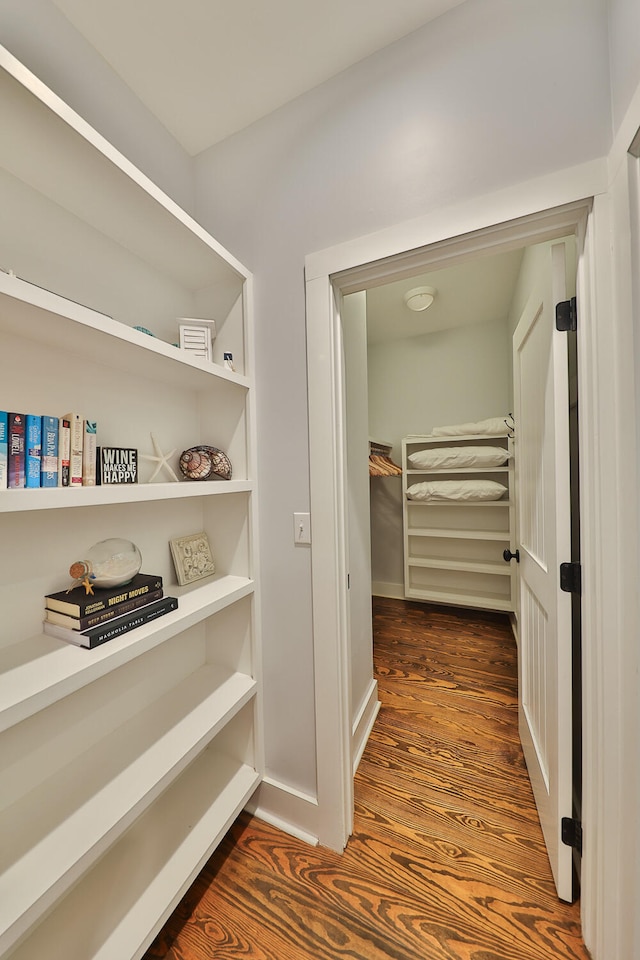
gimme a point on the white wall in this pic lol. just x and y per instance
(491, 94)
(624, 32)
(452, 376)
(40, 36)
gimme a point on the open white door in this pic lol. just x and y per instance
(542, 436)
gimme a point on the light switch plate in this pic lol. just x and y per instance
(301, 528)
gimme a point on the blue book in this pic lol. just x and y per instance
(33, 450)
(4, 430)
(49, 466)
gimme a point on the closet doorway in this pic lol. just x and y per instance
(453, 363)
(448, 364)
(333, 599)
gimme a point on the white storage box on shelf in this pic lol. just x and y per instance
(453, 549)
(122, 767)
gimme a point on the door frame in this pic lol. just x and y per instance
(545, 638)
(531, 213)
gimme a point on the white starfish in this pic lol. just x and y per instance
(161, 459)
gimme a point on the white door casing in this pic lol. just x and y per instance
(330, 566)
(550, 208)
(543, 504)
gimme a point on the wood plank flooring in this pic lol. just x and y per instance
(447, 860)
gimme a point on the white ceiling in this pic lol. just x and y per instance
(479, 291)
(208, 68)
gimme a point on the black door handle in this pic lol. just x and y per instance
(511, 556)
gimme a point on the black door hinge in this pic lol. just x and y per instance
(570, 579)
(567, 315)
(572, 833)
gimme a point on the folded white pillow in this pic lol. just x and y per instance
(461, 490)
(492, 425)
(443, 457)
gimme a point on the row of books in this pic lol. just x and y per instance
(37, 451)
(89, 619)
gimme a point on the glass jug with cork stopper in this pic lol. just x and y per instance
(109, 563)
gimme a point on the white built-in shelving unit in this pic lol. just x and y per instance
(453, 550)
(121, 767)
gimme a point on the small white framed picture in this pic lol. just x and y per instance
(192, 558)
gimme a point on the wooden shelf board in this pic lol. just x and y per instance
(37, 314)
(458, 503)
(55, 833)
(476, 437)
(128, 207)
(468, 566)
(139, 813)
(167, 847)
(61, 498)
(42, 670)
(461, 470)
(451, 533)
(483, 601)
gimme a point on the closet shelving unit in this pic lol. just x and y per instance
(122, 767)
(453, 550)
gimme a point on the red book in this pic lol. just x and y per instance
(16, 450)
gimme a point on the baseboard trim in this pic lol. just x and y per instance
(392, 591)
(363, 723)
(286, 808)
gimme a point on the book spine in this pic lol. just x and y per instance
(76, 603)
(49, 466)
(64, 451)
(33, 450)
(95, 619)
(138, 618)
(15, 461)
(75, 448)
(109, 631)
(4, 432)
(89, 453)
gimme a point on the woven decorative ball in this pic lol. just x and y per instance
(205, 463)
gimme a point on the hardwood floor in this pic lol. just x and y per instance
(447, 860)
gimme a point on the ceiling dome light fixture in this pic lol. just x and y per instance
(419, 298)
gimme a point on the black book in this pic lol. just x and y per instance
(113, 628)
(95, 619)
(78, 603)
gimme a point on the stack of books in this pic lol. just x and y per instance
(47, 451)
(89, 619)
